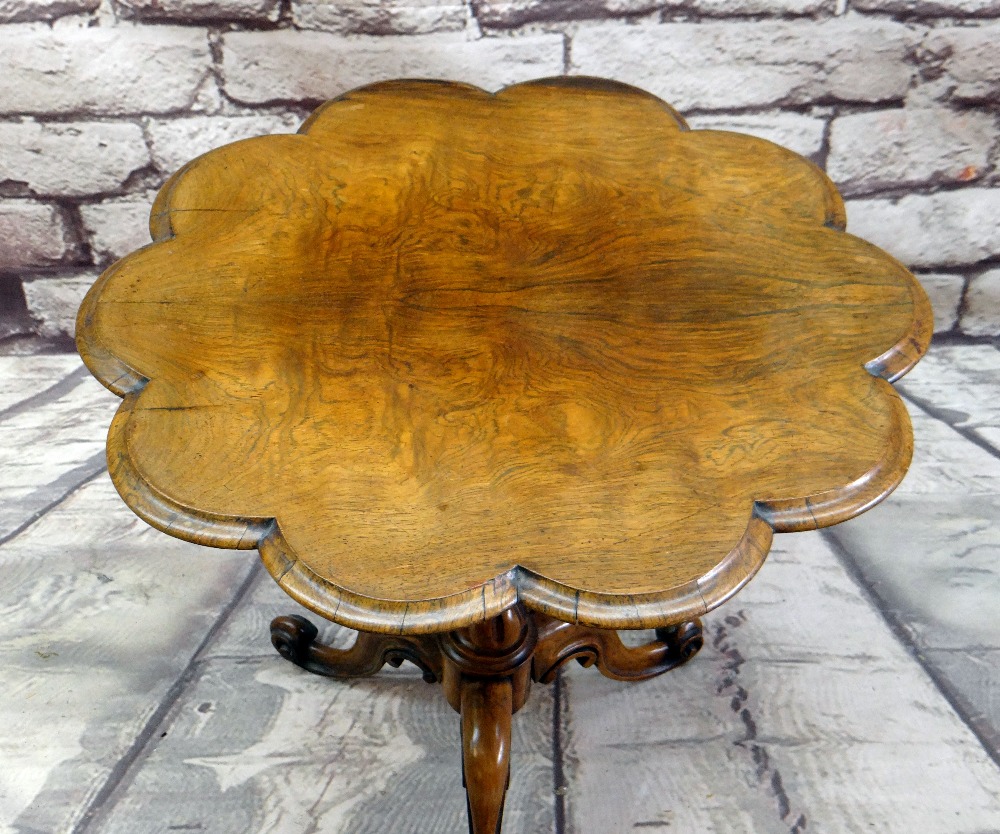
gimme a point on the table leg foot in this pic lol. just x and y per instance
(487, 706)
(560, 642)
(295, 639)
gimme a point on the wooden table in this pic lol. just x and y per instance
(487, 377)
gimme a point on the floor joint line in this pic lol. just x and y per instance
(969, 434)
(121, 774)
(558, 772)
(54, 392)
(982, 730)
(90, 469)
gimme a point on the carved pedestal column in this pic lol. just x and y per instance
(486, 677)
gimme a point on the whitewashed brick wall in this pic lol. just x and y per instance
(100, 100)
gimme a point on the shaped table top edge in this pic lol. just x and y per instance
(670, 606)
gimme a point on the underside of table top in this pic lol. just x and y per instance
(445, 350)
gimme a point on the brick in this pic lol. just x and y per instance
(178, 141)
(982, 305)
(71, 159)
(117, 227)
(53, 301)
(908, 147)
(926, 230)
(510, 13)
(968, 59)
(32, 234)
(929, 8)
(19, 11)
(313, 66)
(381, 17)
(945, 292)
(795, 131)
(722, 65)
(107, 71)
(187, 10)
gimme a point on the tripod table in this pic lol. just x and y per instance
(487, 377)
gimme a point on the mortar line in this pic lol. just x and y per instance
(124, 770)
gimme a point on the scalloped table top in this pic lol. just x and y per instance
(443, 350)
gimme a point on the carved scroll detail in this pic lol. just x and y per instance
(295, 639)
(559, 642)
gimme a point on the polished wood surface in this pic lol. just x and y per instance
(486, 714)
(487, 677)
(445, 350)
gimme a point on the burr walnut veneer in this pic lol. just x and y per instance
(483, 376)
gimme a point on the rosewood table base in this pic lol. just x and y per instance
(486, 671)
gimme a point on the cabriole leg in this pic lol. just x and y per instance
(486, 677)
(487, 707)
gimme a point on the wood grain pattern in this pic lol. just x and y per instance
(446, 350)
(852, 723)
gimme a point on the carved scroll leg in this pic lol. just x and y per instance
(560, 642)
(295, 639)
(487, 706)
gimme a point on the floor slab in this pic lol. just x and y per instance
(946, 463)
(48, 450)
(24, 378)
(957, 383)
(782, 723)
(930, 553)
(933, 566)
(256, 744)
(102, 616)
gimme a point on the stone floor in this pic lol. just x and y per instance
(853, 686)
